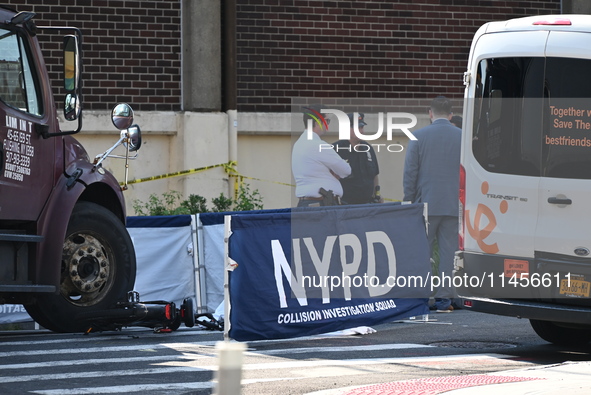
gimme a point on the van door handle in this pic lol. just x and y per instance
(555, 200)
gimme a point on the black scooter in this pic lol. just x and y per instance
(162, 316)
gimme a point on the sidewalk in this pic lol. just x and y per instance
(572, 378)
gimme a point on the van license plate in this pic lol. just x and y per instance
(576, 288)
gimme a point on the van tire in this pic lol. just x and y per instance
(98, 270)
(560, 335)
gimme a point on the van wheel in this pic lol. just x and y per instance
(98, 269)
(561, 335)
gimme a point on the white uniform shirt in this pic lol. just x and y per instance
(311, 164)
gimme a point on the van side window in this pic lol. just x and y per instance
(18, 87)
(532, 117)
(508, 115)
(567, 127)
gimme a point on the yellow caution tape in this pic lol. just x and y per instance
(273, 182)
(229, 168)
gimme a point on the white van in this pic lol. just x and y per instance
(525, 188)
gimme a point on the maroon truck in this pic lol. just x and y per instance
(64, 248)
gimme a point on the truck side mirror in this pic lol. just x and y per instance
(71, 78)
(71, 107)
(71, 63)
(134, 138)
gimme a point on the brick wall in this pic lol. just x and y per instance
(285, 48)
(131, 49)
(365, 49)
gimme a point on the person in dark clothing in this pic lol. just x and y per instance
(360, 187)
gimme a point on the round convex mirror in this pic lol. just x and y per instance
(134, 137)
(122, 116)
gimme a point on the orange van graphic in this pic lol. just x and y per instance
(475, 228)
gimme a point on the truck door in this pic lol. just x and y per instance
(27, 161)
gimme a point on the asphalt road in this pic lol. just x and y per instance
(136, 360)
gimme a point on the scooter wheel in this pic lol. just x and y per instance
(188, 313)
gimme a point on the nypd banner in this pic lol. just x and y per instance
(319, 270)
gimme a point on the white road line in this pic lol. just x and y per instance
(146, 387)
(363, 361)
(63, 351)
(106, 337)
(140, 347)
(127, 388)
(52, 364)
(203, 347)
(60, 341)
(189, 350)
(264, 366)
(192, 366)
(373, 347)
(111, 373)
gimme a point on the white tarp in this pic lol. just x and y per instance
(165, 258)
(11, 313)
(164, 264)
(213, 261)
(177, 257)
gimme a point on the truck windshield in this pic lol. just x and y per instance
(17, 80)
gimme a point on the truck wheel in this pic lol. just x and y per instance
(561, 335)
(98, 269)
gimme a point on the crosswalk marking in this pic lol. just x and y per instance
(78, 362)
(183, 331)
(145, 387)
(128, 388)
(141, 347)
(192, 359)
(202, 347)
(111, 373)
(256, 366)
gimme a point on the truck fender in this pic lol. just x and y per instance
(91, 186)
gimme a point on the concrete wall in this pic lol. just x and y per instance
(266, 154)
(176, 141)
(180, 141)
(172, 141)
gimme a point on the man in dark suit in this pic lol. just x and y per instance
(431, 175)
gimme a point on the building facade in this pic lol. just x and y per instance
(215, 82)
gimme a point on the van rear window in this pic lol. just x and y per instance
(532, 116)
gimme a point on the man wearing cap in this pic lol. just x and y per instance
(316, 168)
(361, 186)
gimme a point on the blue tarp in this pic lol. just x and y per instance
(163, 221)
(279, 288)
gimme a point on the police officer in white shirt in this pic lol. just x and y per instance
(315, 164)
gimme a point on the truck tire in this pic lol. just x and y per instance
(98, 269)
(564, 336)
